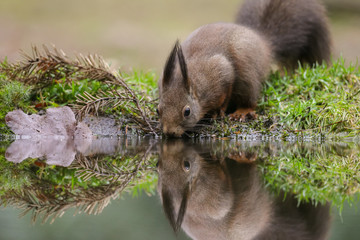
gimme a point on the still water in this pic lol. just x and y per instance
(145, 188)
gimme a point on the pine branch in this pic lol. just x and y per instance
(43, 66)
(36, 201)
(45, 202)
(94, 167)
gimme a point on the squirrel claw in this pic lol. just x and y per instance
(220, 114)
(243, 115)
(243, 157)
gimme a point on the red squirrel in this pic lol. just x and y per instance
(220, 67)
(222, 197)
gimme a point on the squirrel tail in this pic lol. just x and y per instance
(296, 30)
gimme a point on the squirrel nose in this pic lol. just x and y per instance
(173, 132)
(165, 129)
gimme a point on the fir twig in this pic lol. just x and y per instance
(44, 66)
(48, 202)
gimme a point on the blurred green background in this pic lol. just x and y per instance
(139, 218)
(137, 33)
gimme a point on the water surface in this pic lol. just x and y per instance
(210, 189)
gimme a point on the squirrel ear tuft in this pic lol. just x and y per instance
(170, 65)
(183, 68)
(168, 206)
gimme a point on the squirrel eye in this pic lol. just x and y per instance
(186, 165)
(186, 111)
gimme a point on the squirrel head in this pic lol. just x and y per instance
(179, 109)
(190, 181)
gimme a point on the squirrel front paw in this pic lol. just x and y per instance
(243, 157)
(243, 114)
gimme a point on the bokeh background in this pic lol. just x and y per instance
(139, 218)
(134, 34)
(137, 34)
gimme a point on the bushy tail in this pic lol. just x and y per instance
(296, 29)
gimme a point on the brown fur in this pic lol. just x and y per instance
(221, 66)
(297, 30)
(225, 199)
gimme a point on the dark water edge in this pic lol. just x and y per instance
(133, 218)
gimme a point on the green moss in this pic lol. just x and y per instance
(64, 93)
(319, 173)
(318, 99)
(13, 95)
(13, 177)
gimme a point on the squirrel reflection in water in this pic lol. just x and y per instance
(224, 198)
